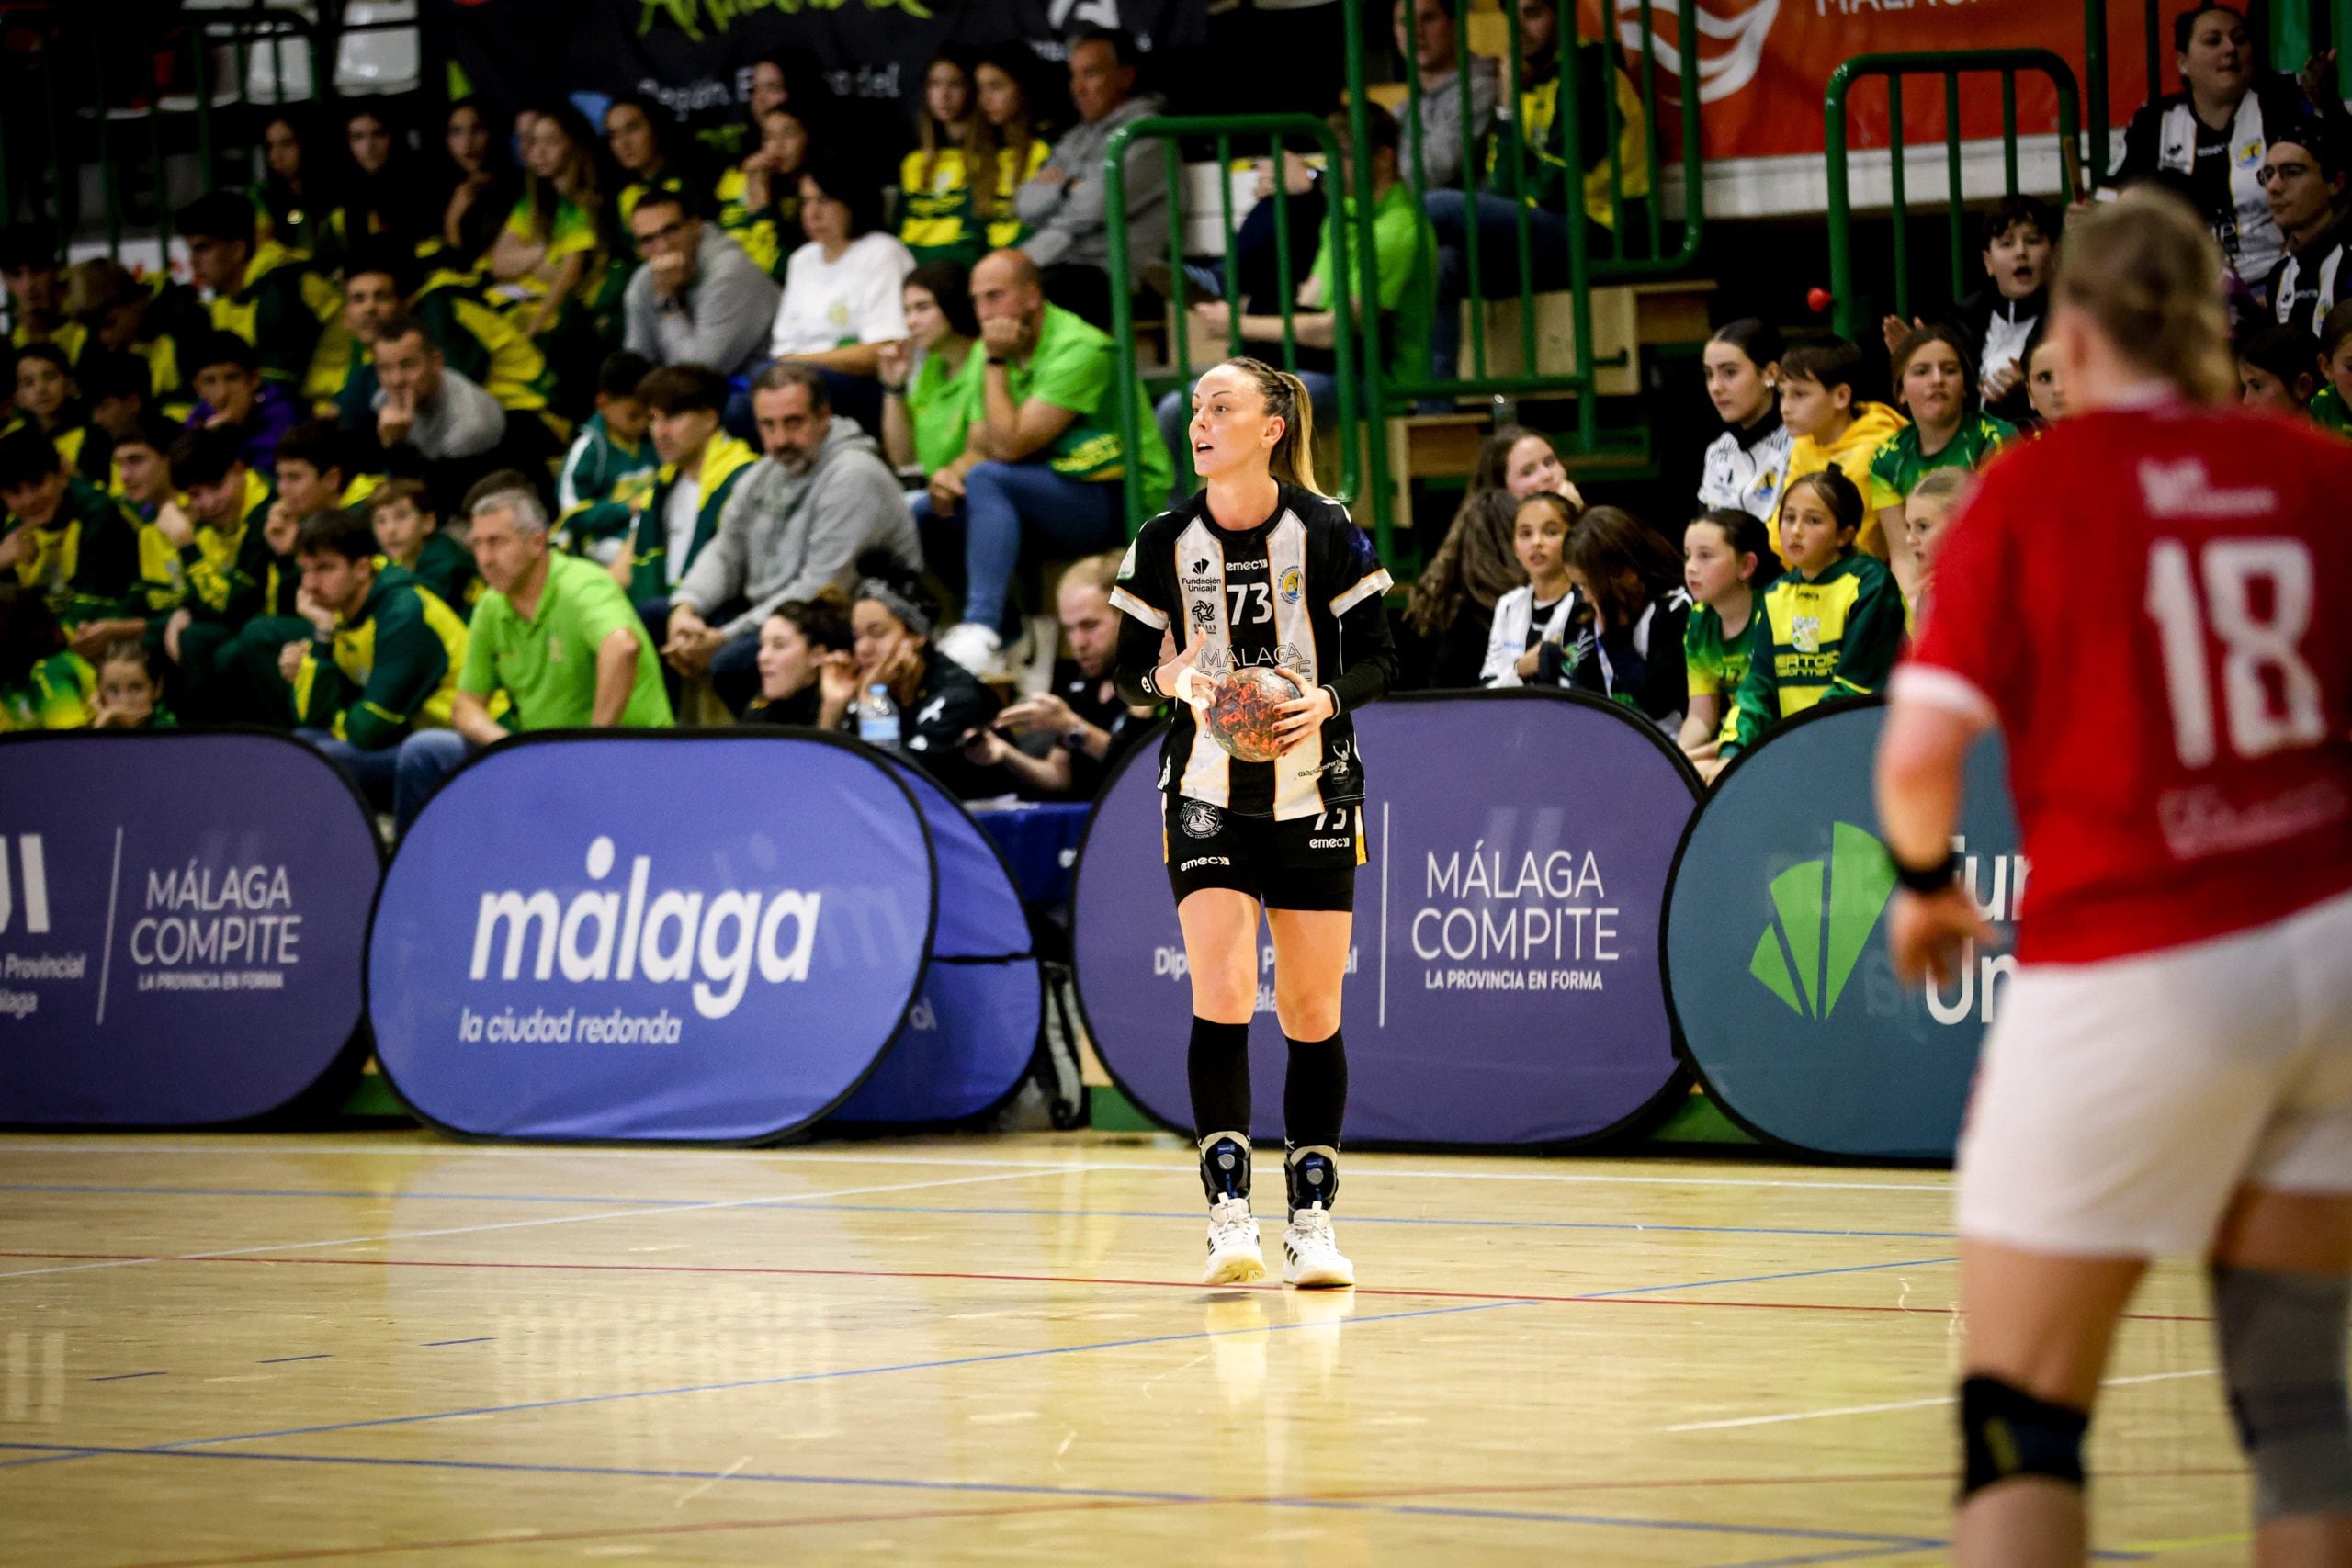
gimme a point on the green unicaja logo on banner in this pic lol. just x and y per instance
(1793, 958)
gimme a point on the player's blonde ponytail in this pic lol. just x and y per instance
(2147, 272)
(1291, 462)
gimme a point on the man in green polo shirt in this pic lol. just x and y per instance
(552, 635)
(1043, 462)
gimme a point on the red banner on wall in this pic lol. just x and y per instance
(1763, 66)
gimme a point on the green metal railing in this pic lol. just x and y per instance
(1950, 65)
(1506, 153)
(1622, 262)
(1223, 129)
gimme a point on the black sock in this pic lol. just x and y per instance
(1314, 1092)
(1219, 1064)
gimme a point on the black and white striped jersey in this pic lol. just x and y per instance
(1302, 590)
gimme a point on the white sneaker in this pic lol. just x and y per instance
(1235, 1257)
(975, 648)
(1311, 1255)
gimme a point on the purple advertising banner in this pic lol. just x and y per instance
(1503, 985)
(183, 921)
(689, 935)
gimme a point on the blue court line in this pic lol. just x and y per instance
(46, 1456)
(435, 1343)
(1879, 1543)
(1353, 1218)
(281, 1361)
(1760, 1279)
(124, 1377)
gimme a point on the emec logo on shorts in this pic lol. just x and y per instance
(1791, 957)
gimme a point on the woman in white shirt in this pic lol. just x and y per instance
(841, 291)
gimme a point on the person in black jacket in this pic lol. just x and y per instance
(2215, 131)
(2020, 252)
(942, 707)
(1633, 579)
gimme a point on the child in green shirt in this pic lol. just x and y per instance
(1727, 562)
(610, 469)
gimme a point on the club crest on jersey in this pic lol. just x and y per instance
(1199, 820)
(1204, 614)
(1288, 587)
(1804, 631)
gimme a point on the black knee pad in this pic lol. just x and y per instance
(2005, 1433)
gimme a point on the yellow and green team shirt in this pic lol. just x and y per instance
(2329, 412)
(665, 179)
(86, 561)
(1717, 664)
(55, 694)
(230, 571)
(1013, 170)
(767, 234)
(1834, 636)
(1898, 465)
(71, 337)
(1542, 139)
(936, 220)
(391, 668)
(293, 317)
(573, 232)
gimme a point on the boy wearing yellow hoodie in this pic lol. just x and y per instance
(1830, 427)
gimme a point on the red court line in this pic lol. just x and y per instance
(1106, 1505)
(1594, 1300)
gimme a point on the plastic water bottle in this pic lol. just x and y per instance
(878, 718)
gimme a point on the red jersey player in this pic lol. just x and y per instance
(2151, 601)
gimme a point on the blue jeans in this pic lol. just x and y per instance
(1450, 216)
(402, 777)
(1174, 413)
(1006, 504)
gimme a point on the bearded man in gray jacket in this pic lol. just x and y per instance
(794, 526)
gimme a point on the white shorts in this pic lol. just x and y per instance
(2118, 1105)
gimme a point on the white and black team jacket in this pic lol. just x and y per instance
(1745, 468)
(2306, 285)
(1302, 590)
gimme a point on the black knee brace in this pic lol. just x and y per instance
(2006, 1432)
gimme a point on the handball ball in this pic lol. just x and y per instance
(1246, 711)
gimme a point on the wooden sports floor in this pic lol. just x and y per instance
(386, 1347)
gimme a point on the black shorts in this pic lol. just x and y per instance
(1308, 862)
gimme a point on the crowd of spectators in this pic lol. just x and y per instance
(558, 425)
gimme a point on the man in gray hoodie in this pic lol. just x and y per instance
(1063, 203)
(698, 300)
(794, 526)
